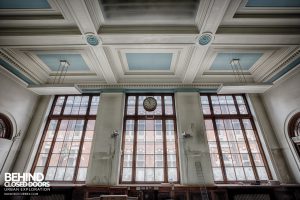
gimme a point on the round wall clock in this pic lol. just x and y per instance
(150, 104)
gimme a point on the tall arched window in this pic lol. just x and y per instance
(64, 151)
(5, 127)
(150, 141)
(294, 131)
(235, 149)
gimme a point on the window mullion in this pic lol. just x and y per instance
(134, 151)
(52, 145)
(79, 150)
(165, 151)
(249, 150)
(217, 139)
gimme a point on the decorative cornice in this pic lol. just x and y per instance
(282, 65)
(149, 86)
(17, 66)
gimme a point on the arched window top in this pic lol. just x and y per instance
(294, 131)
(5, 127)
(294, 125)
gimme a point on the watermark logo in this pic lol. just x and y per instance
(25, 180)
(25, 184)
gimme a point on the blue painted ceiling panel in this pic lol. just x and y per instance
(75, 60)
(149, 61)
(24, 4)
(273, 3)
(222, 61)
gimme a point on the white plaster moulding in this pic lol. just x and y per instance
(54, 89)
(237, 88)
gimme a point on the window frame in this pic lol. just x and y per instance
(240, 117)
(137, 117)
(8, 126)
(59, 118)
(291, 128)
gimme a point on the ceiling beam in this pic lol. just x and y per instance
(212, 20)
(84, 21)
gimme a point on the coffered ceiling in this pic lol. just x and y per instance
(149, 43)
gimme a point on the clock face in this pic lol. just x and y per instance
(150, 104)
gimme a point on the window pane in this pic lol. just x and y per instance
(215, 160)
(42, 159)
(217, 109)
(140, 161)
(159, 161)
(258, 160)
(254, 147)
(39, 170)
(230, 173)
(140, 174)
(62, 160)
(222, 135)
(149, 174)
(149, 160)
(225, 147)
(245, 160)
(233, 147)
(250, 135)
(50, 173)
(94, 105)
(169, 125)
(262, 174)
(227, 160)
(150, 125)
(211, 135)
(54, 160)
(46, 147)
(86, 148)
(171, 160)
(131, 101)
(240, 100)
(159, 174)
(81, 174)
(209, 125)
(232, 109)
(172, 174)
(171, 148)
(60, 172)
(126, 176)
(243, 109)
(204, 99)
(213, 147)
(169, 109)
(84, 160)
(249, 173)
(129, 125)
(130, 110)
(72, 159)
(58, 105)
(69, 173)
(218, 176)
(127, 160)
(240, 175)
(236, 160)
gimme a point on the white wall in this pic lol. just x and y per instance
(194, 149)
(279, 102)
(105, 155)
(20, 103)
